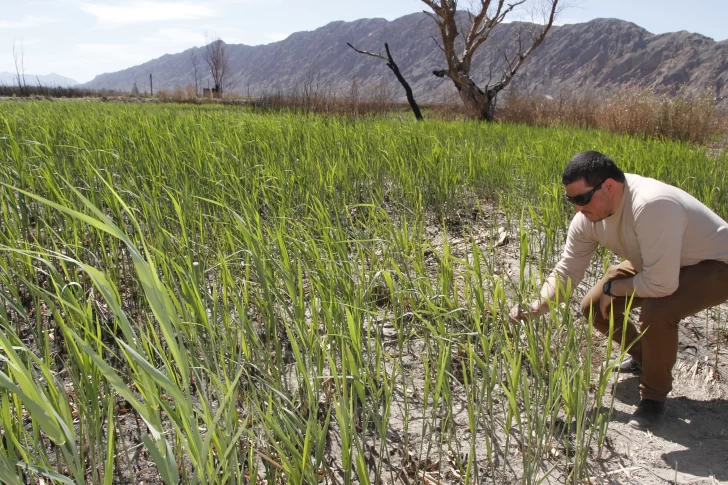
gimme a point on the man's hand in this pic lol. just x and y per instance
(523, 312)
(605, 302)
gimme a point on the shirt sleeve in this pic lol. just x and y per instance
(578, 251)
(660, 226)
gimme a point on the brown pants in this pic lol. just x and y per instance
(701, 286)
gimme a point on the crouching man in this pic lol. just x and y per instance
(675, 264)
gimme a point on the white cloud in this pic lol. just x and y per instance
(103, 48)
(31, 41)
(176, 35)
(143, 11)
(275, 36)
(115, 53)
(184, 37)
(28, 22)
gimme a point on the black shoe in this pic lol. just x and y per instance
(628, 366)
(649, 414)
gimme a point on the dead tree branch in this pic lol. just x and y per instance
(395, 69)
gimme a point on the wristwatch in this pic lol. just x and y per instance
(607, 288)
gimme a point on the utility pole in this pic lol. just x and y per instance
(151, 86)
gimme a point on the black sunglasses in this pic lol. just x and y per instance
(586, 197)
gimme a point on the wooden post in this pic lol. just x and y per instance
(151, 86)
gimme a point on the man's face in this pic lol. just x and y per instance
(598, 206)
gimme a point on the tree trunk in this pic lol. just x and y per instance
(395, 69)
(407, 89)
(492, 99)
(479, 104)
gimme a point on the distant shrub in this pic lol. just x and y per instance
(686, 116)
(54, 91)
(309, 96)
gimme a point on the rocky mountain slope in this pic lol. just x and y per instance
(595, 57)
(52, 79)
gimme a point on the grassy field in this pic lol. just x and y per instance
(207, 295)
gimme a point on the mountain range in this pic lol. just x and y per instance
(50, 80)
(598, 57)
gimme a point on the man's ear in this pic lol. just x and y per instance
(609, 185)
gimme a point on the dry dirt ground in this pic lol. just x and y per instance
(692, 444)
(691, 447)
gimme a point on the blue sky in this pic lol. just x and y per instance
(83, 38)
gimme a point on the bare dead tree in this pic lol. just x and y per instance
(310, 87)
(217, 61)
(195, 72)
(484, 18)
(395, 69)
(19, 58)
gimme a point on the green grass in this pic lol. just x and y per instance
(258, 294)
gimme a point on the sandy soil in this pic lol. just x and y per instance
(691, 446)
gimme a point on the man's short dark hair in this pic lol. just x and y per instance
(593, 167)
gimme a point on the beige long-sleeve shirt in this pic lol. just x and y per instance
(657, 227)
